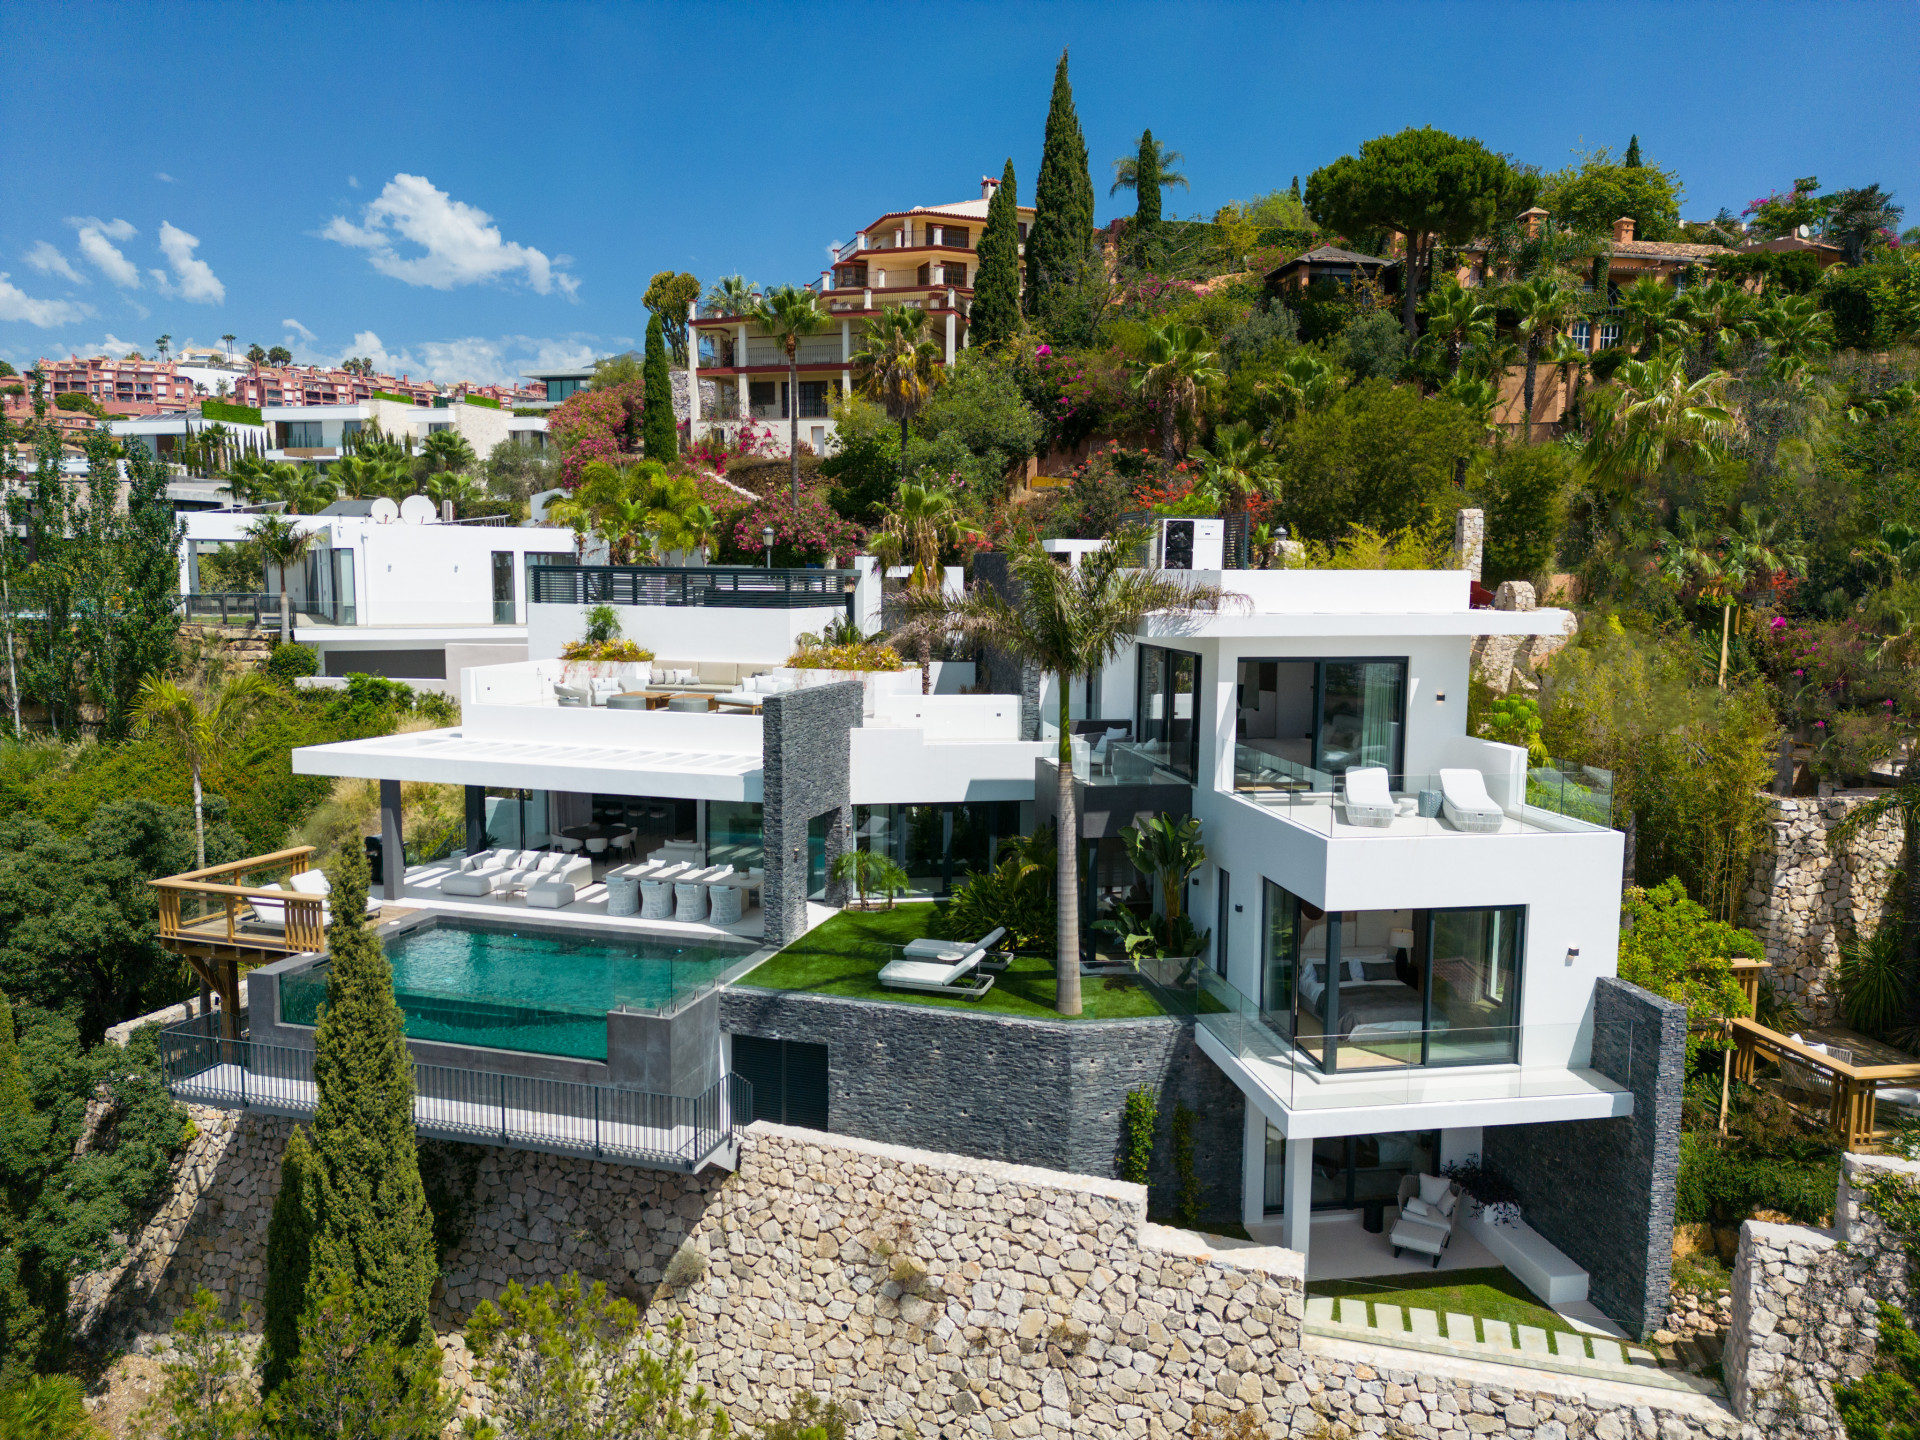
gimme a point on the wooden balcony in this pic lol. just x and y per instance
(207, 920)
(1848, 1092)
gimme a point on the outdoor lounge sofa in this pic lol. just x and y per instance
(942, 967)
(1368, 800)
(1465, 800)
(273, 915)
(494, 872)
(1429, 1210)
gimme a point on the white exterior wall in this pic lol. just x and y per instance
(691, 633)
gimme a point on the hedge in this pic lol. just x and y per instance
(487, 401)
(227, 410)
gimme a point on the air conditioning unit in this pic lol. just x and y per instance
(1190, 544)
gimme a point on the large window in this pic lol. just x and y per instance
(1384, 989)
(1300, 721)
(503, 587)
(303, 435)
(813, 400)
(1168, 720)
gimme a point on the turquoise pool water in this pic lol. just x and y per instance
(531, 990)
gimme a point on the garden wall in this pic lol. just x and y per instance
(1604, 1191)
(999, 1087)
(1805, 1307)
(1802, 900)
(1027, 1303)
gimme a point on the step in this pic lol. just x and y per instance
(1424, 1323)
(1390, 1318)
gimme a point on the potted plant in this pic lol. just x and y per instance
(602, 645)
(1494, 1198)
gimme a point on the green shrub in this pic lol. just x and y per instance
(484, 401)
(1186, 1195)
(1018, 892)
(1671, 946)
(287, 663)
(1724, 1184)
(1884, 1404)
(226, 410)
(1136, 1152)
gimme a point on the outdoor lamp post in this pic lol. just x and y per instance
(766, 534)
(1280, 544)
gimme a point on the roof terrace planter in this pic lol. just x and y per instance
(741, 587)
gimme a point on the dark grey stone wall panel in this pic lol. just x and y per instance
(1603, 1191)
(1029, 1092)
(806, 758)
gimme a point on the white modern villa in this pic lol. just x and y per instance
(1413, 934)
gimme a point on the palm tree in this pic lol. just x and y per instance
(1543, 306)
(899, 366)
(163, 345)
(1177, 369)
(284, 544)
(1564, 356)
(1794, 328)
(1756, 551)
(449, 450)
(1858, 217)
(1456, 318)
(1720, 313)
(789, 315)
(1305, 381)
(201, 728)
(923, 521)
(1477, 397)
(303, 489)
(1653, 316)
(731, 295)
(1237, 466)
(451, 485)
(1068, 622)
(1896, 548)
(227, 340)
(215, 440)
(1126, 170)
(1651, 414)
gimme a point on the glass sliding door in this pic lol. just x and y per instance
(1168, 709)
(1279, 956)
(1360, 715)
(1475, 987)
(1349, 1170)
(1316, 1023)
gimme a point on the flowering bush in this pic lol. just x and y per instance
(624, 650)
(747, 440)
(811, 534)
(594, 425)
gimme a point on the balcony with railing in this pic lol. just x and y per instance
(734, 587)
(559, 1117)
(1555, 798)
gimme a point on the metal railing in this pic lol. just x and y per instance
(741, 587)
(564, 1117)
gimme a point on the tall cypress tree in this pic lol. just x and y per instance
(996, 285)
(372, 1225)
(1146, 192)
(1632, 159)
(657, 431)
(289, 1261)
(1062, 201)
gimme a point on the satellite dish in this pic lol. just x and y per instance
(384, 511)
(418, 510)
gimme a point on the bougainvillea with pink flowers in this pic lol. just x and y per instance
(594, 425)
(810, 534)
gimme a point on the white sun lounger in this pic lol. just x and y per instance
(939, 977)
(1369, 801)
(1465, 800)
(950, 950)
(273, 914)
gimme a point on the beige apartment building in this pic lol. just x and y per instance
(927, 256)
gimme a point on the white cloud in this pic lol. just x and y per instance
(193, 279)
(162, 175)
(96, 237)
(497, 361)
(353, 182)
(297, 330)
(459, 244)
(16, 304)
(49, 261)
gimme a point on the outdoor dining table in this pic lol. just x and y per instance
(595, 837)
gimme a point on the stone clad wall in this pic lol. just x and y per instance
(1029, 1092)
(806, 760)
(1806, 1307)
(935, 1294)
(1604, 1191)
(1803, 900)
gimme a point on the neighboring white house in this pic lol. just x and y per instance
(389, 598)
(320, 433)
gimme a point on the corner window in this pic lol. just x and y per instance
(1302, 722)
(1167, 712)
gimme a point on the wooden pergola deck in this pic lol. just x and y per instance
(205, 919)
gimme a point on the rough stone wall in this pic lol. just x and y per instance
(1604, 1191)
(807, 768)
(946, 1296)
(1803, 900)
(1029, 1092)
(1508, 662)
(1806, 1307)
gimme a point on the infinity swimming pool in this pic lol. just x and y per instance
(537, 990)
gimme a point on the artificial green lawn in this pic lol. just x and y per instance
(844, 956)
(1491, 1295)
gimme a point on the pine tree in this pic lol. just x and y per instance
(658, 434)
(1062, 202)
(372, 1225)
(996, 285)
(289, 1262)
(1632, 160)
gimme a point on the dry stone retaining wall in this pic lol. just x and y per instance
(1803, 900)
(1805, 1312)
(937, 1294)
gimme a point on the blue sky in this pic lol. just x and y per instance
(464, 191)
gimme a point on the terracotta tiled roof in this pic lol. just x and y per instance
(1670, 249)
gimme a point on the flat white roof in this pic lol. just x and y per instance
(451, 757)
